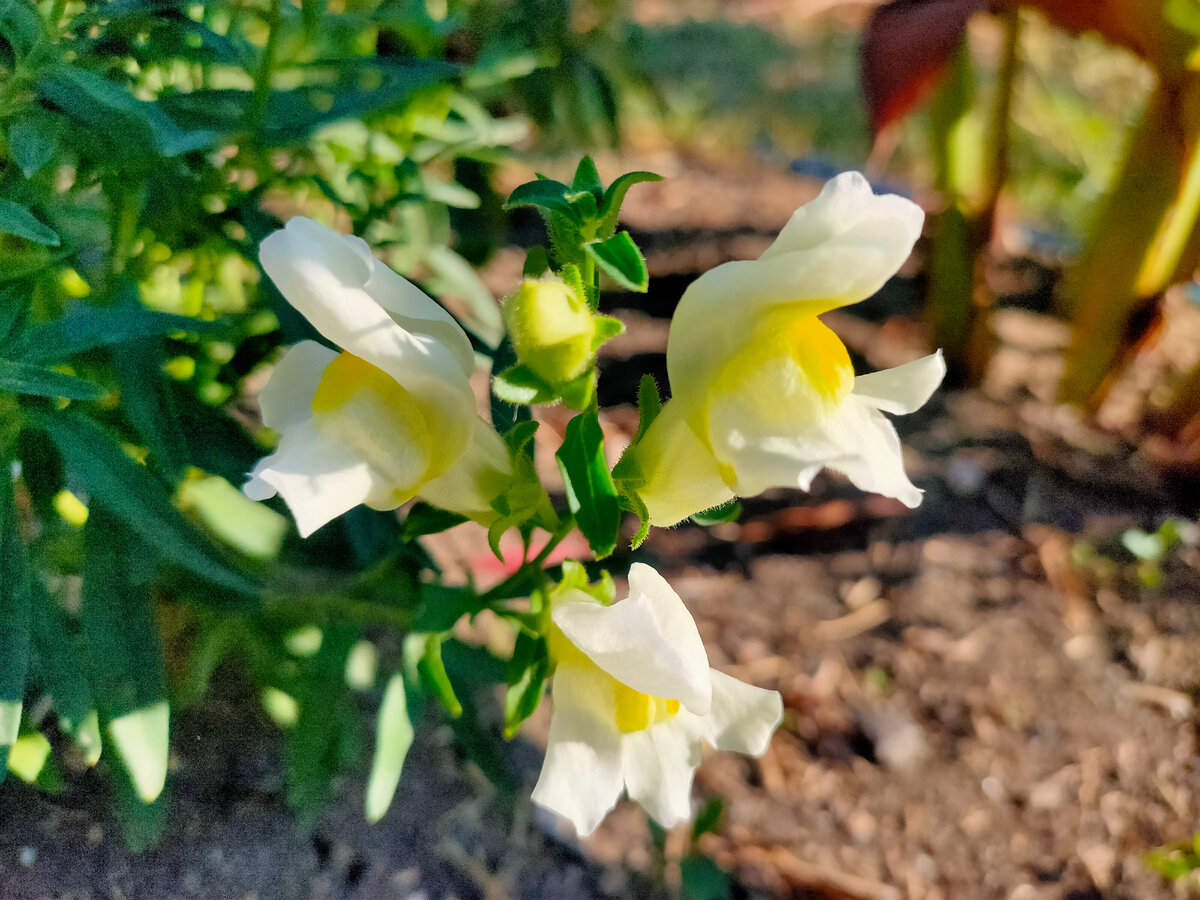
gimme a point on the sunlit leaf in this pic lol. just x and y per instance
(393, 737)
(591, 494)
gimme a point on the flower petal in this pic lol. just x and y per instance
(475, 479)
(319, 478)
(413, 310)
(680, 475)
(845, 202)
(581, 777)
(842, 252)
(323, 275)
(878, 463)
(658, 764)
(903, 389)
(286, 399)
(743, 717)
(648, 641)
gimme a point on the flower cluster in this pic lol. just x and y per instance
(763, 395)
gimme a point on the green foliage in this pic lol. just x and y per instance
(145, 151)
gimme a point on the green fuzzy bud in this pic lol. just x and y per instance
(552, 330)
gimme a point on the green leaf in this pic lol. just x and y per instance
(60, 662)
(25, 378)
(311, 12)
(591, 494)
(620, 259)
(136, 127)
(587, 178)
(393, 737)
(545, 194)
(326, 714)
(442, 606)
(124, 659)
(16, 219)
(709, 818)
(610, 205)
(134, 496)
(20, 26)
(346, 88)
(537, 263)
(147, 404)
(434, 678)
(33, 141)
(527, 673)
(703, 879)
(253, 529)
(87, 330)
(15, 617)
(424, 518)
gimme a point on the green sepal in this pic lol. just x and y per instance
(519, 384)
(578, 392)
(607, 328)
(726, 512)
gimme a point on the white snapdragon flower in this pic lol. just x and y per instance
(763, 393)
(633, 699)
(389, 418)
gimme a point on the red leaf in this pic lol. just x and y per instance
(905, 48)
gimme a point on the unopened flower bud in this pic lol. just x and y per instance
(552, 330)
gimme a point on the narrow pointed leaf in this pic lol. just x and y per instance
(135, 497)
(393, 737)
(621, 260)
(591, 494)
(16, 219)
(26, 378)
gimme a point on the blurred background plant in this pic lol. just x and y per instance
(147, 148)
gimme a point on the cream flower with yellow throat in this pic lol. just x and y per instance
(634, 698)
(763, 393)
(389, 418)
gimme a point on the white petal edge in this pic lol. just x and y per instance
(658, 764)
(318, 478)
(903, 389)
(647, 641)
(743, 717)
(322, 274)
(843, 203)
(877, 464)
(581, 776)
(286, 400)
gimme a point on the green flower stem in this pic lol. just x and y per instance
(256, 112)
